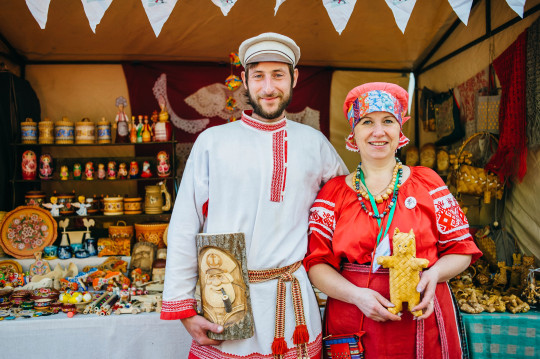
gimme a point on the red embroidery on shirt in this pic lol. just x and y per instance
(279, 151)
(263, 126)
(210, 352)
(450, 217)
(178, 305)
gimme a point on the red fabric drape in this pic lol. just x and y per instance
(184, 79)
(511, 156)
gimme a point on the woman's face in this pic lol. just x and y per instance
(377, 135)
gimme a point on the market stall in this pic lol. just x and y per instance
(67, 66)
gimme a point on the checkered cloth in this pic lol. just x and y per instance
(503, 335)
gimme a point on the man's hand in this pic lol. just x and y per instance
(197, 326)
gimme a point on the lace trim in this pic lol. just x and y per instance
(190, 126)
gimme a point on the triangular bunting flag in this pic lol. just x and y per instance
(402, 10)
(339, 11)
(40, 10)
(517, 6)
(224, 5)
(462, 8)
(95, 9)
(158, 11)
(278, 4)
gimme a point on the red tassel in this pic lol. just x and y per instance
(279, 346)
(301, 334)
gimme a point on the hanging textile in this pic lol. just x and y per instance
(40, 10)
(533, 84)
(511, 156)
(94, 11)
(340, 12)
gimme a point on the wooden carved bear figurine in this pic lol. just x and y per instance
(404, 271)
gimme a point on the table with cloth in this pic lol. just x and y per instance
(91, 336)
(503, 335)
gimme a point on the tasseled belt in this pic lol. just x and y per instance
(301, 335)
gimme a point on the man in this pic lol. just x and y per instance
(259, 176)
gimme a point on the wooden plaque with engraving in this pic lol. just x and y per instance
(224, 284)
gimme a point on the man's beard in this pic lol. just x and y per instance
(258, 110)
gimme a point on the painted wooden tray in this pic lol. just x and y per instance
(26, 230)
(10, 266)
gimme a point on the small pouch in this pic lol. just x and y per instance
(343, 346)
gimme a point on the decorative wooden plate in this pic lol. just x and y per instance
(26, 230)
(10, 266)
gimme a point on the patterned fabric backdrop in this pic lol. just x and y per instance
(196, 96)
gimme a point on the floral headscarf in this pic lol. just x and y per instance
(374, 97)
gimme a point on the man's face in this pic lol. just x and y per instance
(142, 258)
(269, 88)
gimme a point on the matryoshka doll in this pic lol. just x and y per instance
(89, 170)
(146, 171)
(101, 173)
(77, 171)
(163, 167)
(64, 173)
(122, 171)
(133, 169)
(45, 167)
(29, 165)
(111, 170)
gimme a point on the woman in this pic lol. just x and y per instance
(345, 227)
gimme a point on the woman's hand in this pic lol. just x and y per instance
(445, 268)
(374, 305)
(427, 285)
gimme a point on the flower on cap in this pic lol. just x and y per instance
(375, 97)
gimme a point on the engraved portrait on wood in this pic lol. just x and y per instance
(224, 284)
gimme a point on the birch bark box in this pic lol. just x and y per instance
(224, 285)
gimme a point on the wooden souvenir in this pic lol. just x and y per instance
(103, 131)
(9, 266)
(143, 257)
(29, 165)
(29, 133)
(134, 169)
(101, 173)
(122, 171)
(224, 285)
(77, 171)
(153, 201)
(113, 247)
(163, 129)
(85, 132)
(26, 230)
(45, 166)
(39, 267)
(89, 170)
(113, 206)
(46, 131)
(163, 167)
(64, 173)
(66, 199)
(151, 232)
(63, 131)
(34, 198)
(133, 205)
(121, 231)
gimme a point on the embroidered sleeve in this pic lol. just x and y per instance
(178, 309)
(322, 222)
(452, 224)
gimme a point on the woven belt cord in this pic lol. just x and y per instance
(301, 335)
